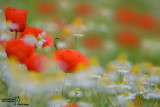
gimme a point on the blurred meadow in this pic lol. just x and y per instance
(119, 39)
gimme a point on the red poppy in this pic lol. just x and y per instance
(93, 42)
(126, 15)
(146, 21)
(83, 9)
(49, 41)
(128, 39)
(68, 60)
(45, 8)
(31, 30)
(19, 50)
(16, 19)
(37, 62)
(35, 31)
(73, 105)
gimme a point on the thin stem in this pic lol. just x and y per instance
(75, 42)
(73, 100)
(16, 35)
(64, 83)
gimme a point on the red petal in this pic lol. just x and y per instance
(37, 62)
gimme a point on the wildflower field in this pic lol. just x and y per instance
(79, 53)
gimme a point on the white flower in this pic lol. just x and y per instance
(61, 45)
(13, 26)
(72, 94)
(30, 39)
(5, 37)
(3, 54)
(154, 94)
(126, 96)
(84, 104)
(40, 39)
(123, 71)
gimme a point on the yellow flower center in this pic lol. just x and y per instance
(110, 67)
(78, 22)
(122, 58)
(156, 90)
(126, 93)
(125, 76)
(145, 76)
(125, 83)
(39, 39)
(104, 75)
(136, 69)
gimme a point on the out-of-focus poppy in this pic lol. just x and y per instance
(37, 33)
(16, 19)
(3, 43)
(37, 63)
(73, 105)
(45, 8)
(128, 39)
(126, 16)
(31, 31)
(69, 60)
(19, 50)
(83, 9)
(146, 21)
(93, 42)
(49, 41)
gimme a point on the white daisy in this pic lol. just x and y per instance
(5, 37)
(30, 39)
(40, 39)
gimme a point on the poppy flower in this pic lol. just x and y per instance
(16, 19)
(128, 39)
(32, 31)
(37, 62)
(83, 9)
(73, 105)
(45, 8)
(19, 50)
(43, 38)
(146, 21)
(93, 42)
(69, 60)
(126, 16)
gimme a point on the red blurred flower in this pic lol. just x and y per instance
(49, 41)
(19, 50)
(35, 32)
(16, 19)
(45, 8)
(146, 21)
(37, 63)
(73, 105)
(126, 15)
(3, 43)
(128, 39)
(93, 42)
(68, 60)
(83, 9)
(32, 31)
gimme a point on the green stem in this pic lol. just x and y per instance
(64, 83)
(16, 35)
(75, 42)
(73, 100)
(109, 101)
